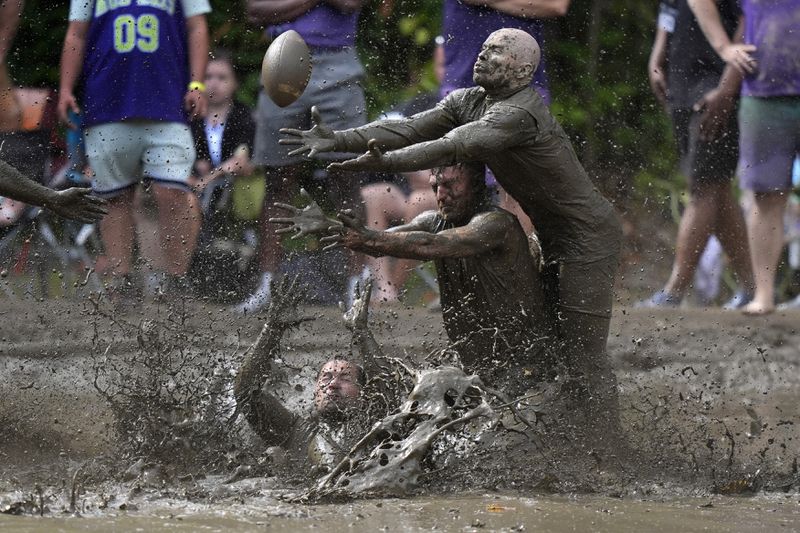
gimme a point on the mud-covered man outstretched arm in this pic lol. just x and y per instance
(75, 203)
(265, 413)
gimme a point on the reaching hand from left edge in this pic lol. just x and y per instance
(307, 221)
(357, 316)
(285, 298)
(372, 160)
(78, 204)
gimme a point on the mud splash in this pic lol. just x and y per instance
(709, 407)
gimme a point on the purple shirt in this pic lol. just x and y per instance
(324, 26)
(465, 28)
(774, 27)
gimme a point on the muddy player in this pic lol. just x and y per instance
(492, 302)
(320, 438)
(505, 124)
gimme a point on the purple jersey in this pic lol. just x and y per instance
(324, 26)
(136, 64)
(774, 27)
(465, 28)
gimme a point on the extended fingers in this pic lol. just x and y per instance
(290, 131)
(300, 151)
(287, 207)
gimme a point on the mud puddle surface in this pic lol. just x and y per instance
(486, 512)
(709, 410)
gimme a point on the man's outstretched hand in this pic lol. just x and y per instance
(372, 160)
(351, 233)
(357, 316)
(307, 221)
(318, 139)
(78, 204)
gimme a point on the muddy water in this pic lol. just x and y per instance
(710, 399)
(490, 512)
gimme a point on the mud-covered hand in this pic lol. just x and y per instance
(357, 316)
(285, 297)
(306, 221)
(372, 160)
(319, 138)
(78, 204)
(351, 233)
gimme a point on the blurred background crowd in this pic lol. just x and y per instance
(611, 72)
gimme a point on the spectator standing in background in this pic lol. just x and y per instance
(329, 29)
(141, 67)
(769, 120)
(701, 93)
(465, 26)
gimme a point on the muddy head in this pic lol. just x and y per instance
(338, 388)
(507, 61)
(460, 190)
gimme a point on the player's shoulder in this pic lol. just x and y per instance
(494, 215)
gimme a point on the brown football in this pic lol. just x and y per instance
(286, 68)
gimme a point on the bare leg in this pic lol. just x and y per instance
(419, 201)
(383, 205)
(696, 226)
(178, 228)
(509, 204)
(765, 225)
(118, 230)
(731, 231)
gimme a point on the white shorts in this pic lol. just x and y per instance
(123, 153)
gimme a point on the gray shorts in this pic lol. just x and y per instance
(769, 141)
(334, 87)
(123, 153)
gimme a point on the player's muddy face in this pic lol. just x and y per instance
(220, 81)
(454, 195)
(496, 64)
(337, 387)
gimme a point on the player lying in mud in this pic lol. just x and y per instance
(492, 302)
(322, 438)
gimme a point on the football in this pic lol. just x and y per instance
(286, 68)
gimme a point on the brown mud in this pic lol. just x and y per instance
(708, 398)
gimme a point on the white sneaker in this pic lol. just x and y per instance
(259, 299)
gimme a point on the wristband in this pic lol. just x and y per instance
(197, 86)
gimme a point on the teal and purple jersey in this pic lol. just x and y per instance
(465, 27)
(323, 26)
(774, 27)
(137, 62)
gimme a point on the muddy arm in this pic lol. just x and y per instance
(74, 203)
(264, 412)
(479, 140)
(484, 232)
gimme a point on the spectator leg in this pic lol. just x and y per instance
(731, 231)
(383, 205)
(118, 231)
(765, 225)
(178, 228)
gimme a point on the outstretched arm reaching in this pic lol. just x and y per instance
(264, 412)
(387, 134)
(74, 203)
(482, 234)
